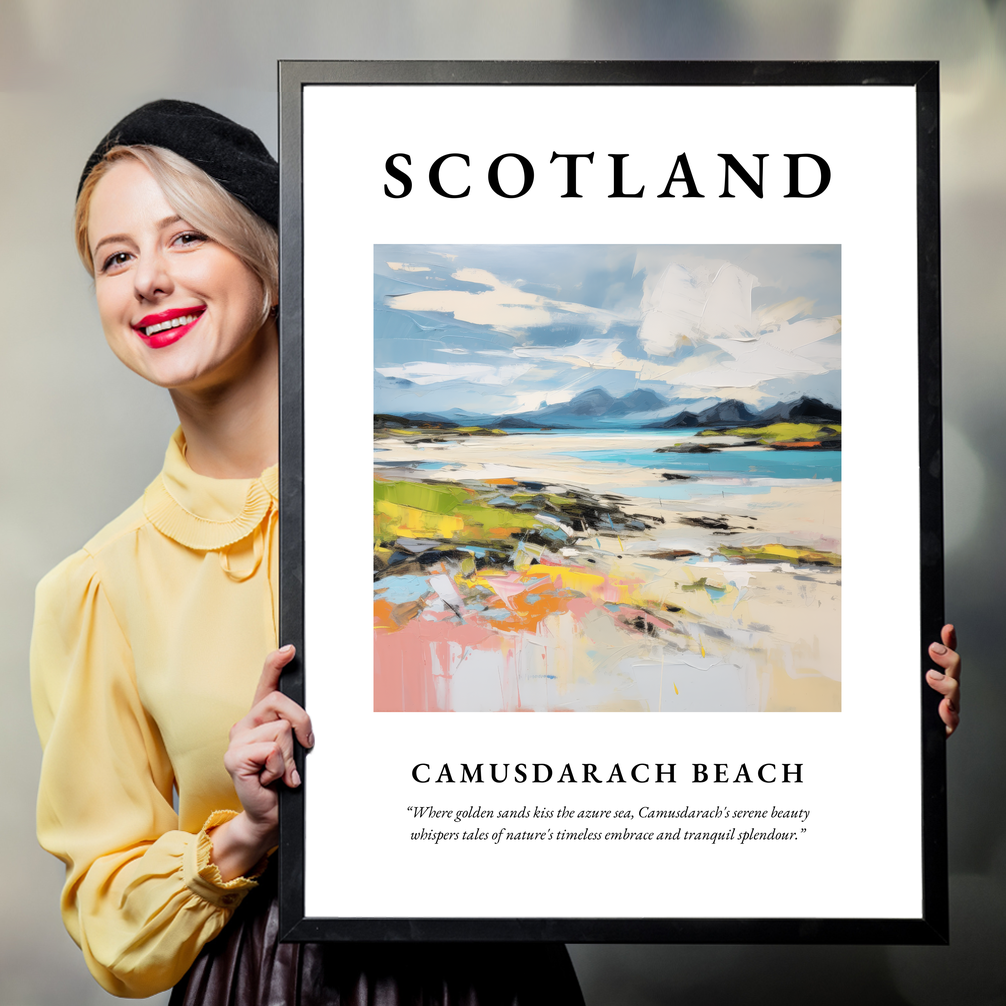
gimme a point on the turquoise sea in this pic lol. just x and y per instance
(725, 473)
(727, 464)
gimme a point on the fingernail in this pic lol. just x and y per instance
(295, 777)
(287, 649)
(936, 675)
(310, 740)
(938, 648)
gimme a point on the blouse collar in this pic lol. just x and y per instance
(203, 513)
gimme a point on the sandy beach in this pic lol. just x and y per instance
(577, 573)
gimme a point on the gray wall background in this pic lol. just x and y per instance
(82, 436)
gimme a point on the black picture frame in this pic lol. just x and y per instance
(932, 925)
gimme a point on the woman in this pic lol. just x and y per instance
(148, 643)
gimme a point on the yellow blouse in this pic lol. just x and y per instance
(147, 647)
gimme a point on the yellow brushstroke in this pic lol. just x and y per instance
(409, 522)
(572, 579)
(781, 432)
(796, 554)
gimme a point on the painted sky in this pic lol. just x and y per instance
(502, 329)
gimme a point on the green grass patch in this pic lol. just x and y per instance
(780, 432)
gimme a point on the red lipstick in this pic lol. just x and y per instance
(166, 327)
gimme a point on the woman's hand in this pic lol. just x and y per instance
(260, 753)
(948, 681)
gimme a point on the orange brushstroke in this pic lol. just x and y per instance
(391, 617)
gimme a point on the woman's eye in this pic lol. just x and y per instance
(190, 238)
(114, 261)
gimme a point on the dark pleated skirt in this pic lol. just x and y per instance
(246, 965)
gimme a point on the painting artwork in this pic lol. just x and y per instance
(607, 478)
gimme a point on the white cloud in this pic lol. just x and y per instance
(673, 373)
(603, 354)
(600, 353)
(403, 267)
(437, 373)
(827, 353)
(750, 396)
(680, 306)
(503, 307)
(710, 306)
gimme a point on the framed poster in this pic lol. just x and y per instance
(611, 501)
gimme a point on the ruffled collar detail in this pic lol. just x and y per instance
(203, 513)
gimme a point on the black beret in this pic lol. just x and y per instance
(230, 154)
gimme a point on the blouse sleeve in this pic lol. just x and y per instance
(141, 898)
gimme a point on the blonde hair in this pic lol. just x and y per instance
(199, 200)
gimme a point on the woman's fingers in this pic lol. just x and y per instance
(947, 686)
(947, 681)
(949, 636)
(948, 659)
(277, 735)
(271, 671)
(260, 760)
(274, 767)
(270, 703)
(949, 710)
(277, 706)
(272, 668)
(261, 749)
